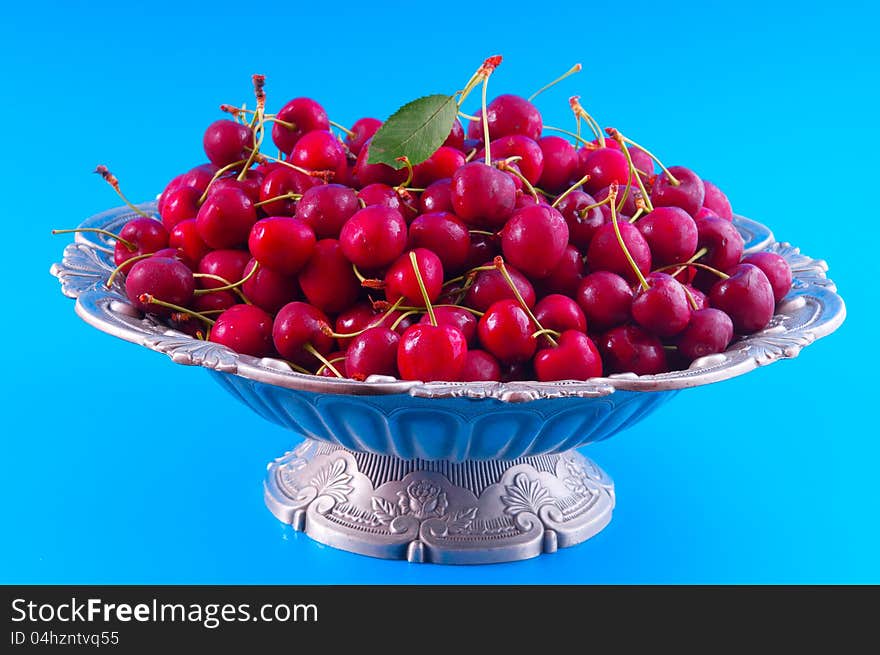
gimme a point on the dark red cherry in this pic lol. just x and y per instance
(437, 197)
(327, 279)
(724, 246)
(250, 185)
(226, 218)
(710, 331)
(482, 195)
(531, 162)
(445, 235)
(279, 182)
(606, 300)
(226, 264)
(480, 366)
(776, 269)
(560, 313)
(297, 327)
(373, 237)
(605, 253)
(566, 277)
(282, 244)
(185, 237)
(401, 280)
(216, 300)
(268, 289)
(456, 136)
(376, 173)
(458, 317)
(582, 222)
(626, 201)
(180, 204)
(361, 132)
(605, 166)
(373, 352)
(560, 164)
(302, 115)
(688, 194)
(671, 234)
(246, 329)
(483, 248)
(629, 349)
(663, 307)
(325, 209)
(145, 234)
(534, 239)
(440, 165)
(318, 150)
(746, 296)
(431, 353)
(509, 114)
(506, 331)
(490, 286)
(199, 177)
(716, 201)
(575, 357)
(226, 141)
(165, 279)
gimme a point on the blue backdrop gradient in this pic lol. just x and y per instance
(118, 466)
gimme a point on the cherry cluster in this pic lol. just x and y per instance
(516, 251)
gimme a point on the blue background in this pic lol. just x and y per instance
(118, 466)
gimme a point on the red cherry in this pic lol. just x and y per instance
(531, 164)
(372, 173)
(163, 278)
(560, 164)
(490, 287)
(560, 313)
(776, 269)
(724, 246)
(605, 253)
(688, 194)
(226, 218)
(325, 209)
(442, 164)
(302, 115)
(605, 298)
(250, 185)
(225, 142)
(715, 201)
(505, 330)
(431, 353)
(185, 237)
(534, 239)
(327, 280)
(582, 222)
(671, 234)
(178, 205)
(268, 289)
(226, 264)
(442, 233)
(746, 296)
(566, 277)
(207, 302)
(482, 194)
(456, 136)
(361, 132)
(373, 237)
(145, 234)
(574, 358)
(199, 177)
(373, 352)
(710, 331)
(297, 327)
(246, 329)
(509, 114)
(278, 182)
(605, 166)
(480, 366)
(437, 197)
(457, 317)
(662, 308)
(318, 150)
(281, 244)
(629, 349)
(401, 281)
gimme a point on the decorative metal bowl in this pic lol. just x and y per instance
(469, 472)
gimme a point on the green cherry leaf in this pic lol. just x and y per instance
(414, 131)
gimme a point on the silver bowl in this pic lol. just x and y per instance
(455, 472)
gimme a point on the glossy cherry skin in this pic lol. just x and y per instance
(373, 352)
(716, 201)
(746, 296)
(482, 195)
(278, 182)
(605, 253)
(442, 164)
(226, 218)
(724, 244)
(510, 114)
(282, 244)
(689, 194)
(373, 237)
(296, 325)
(662, 308)
(180, 204)
(480, 366)
(566, 277)
(225, 142)
(606, 300)
(401, 281)
(629, 349)
(531, 164)
(483, 248)
(207, 302)
(305, 115)
(327, 279)
(456, 136)
(776, 269)
(376, 173)
(575, 357)
(246, 329)
(361, 132)
(710, 331)
(326, 208)
(490, 286)
(164, 278)
(605, 166)
(250, 185)
(338, 360)
(626, 202)
(227, 264)
(560, 164)
(445, 235)
(145, 234)
(431, 353)
(185, 237)
(560, 313)
(534, 239)
(458, 317)
(505, 330)
(318, 150)
(582, 222)
(437, 197)
(671, 234)
(268, 289)
(199, 177)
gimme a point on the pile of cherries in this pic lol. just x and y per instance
(545, 258)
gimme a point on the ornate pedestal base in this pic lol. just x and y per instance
(473, 512)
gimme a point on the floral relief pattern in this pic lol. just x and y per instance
(333, 481)
(421, 500)
(577, 481)
(525, 495)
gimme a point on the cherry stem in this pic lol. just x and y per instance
(569, 190)
(322, 366)
(470, 156)
(690, 297)
(475, 312)
(224, 281)
(127, 262)
(407, 314)
(486, 143)
(720, 274)
(483, 71)
(110, 179)
(580, 112)
(672, 179)
(326, 329)
(415, 265)
(695, 257)
(149, 299)
(583, 212)
(300, 369)
(309, 348)
(612, 193)
(258, 128)
(409, 173)
(217, 176)
(341, 128)
(325, 175)
(468, 117)
(571, 71)
(637, 215)
(583, 141)
(290, 195)
(547, 331)
(127, 244)
(499, 264)
(505, 166)
(633, 172)
(483, 232)
(357, 273)
(229, 285)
